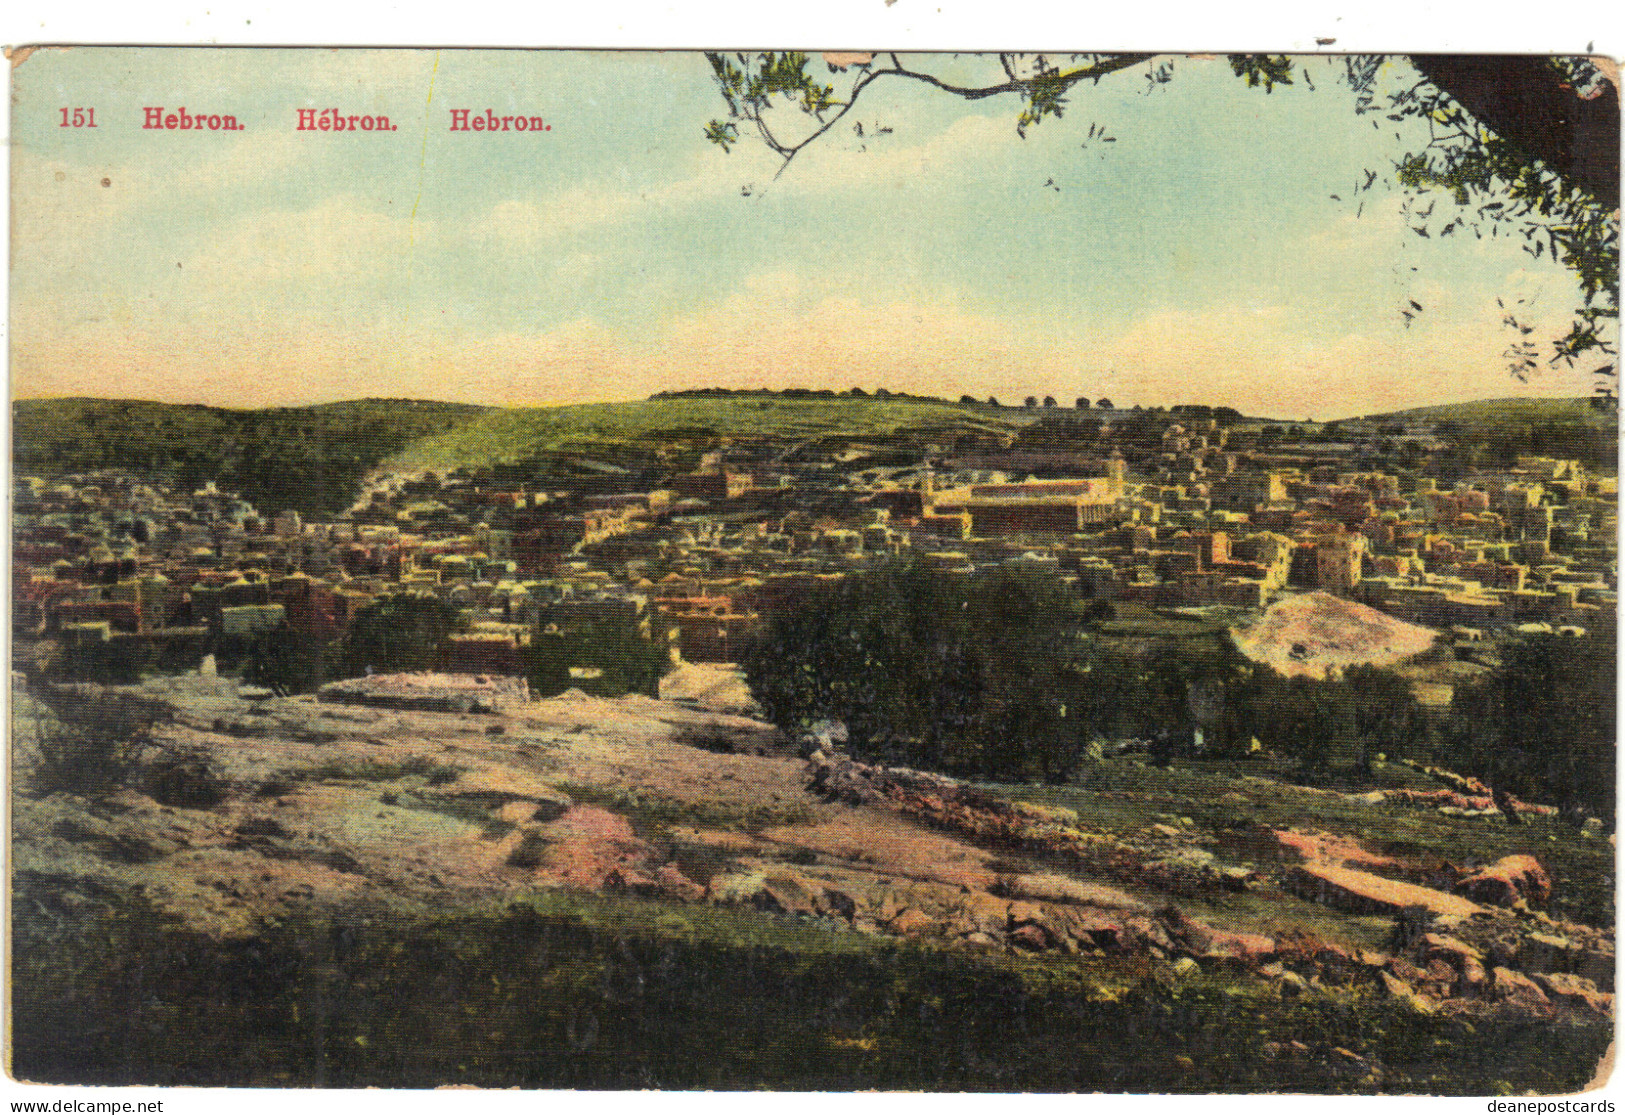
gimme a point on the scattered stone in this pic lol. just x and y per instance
(1470, 984)
(1404, 969)
(1597, 965)
(516, 812)
(1507, 881)
(1452, 951)
(627, 880)
(1545, 952)
(1402, 992)
(1310, 846)
(1250, 949)
(674, 884)
(124, 846)
(262, 826)
(837, 903)
(1517, 989)
(1311, 633)
(1292, 984)
(913, 923)
(1030, 937)
(1576, 991)
(429, 692)
(1360, 892)
(789, 893)
(736, 888)
(187, 781)
(1061, 888)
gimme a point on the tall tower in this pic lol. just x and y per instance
(1116, 473)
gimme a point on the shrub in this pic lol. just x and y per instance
(285, 661)
(89, 739)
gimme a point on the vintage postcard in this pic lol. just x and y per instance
(813, 571)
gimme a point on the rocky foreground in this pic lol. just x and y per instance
(243, 807)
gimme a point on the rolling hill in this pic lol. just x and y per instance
(313, 459)
(310, 459)
(1570, 428)
(1503, 412)
(613, 429)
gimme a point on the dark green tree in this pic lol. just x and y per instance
(988, 675)
(1541, 725)
(401, 631)
(285, 661)
(1388, 720)
(628, 660)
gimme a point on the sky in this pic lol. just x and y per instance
(1214, 251)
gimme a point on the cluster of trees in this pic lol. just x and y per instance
(973, 676)
(1541, 725)
(400, 631)
(1031, 402)
(408, 631)
(1272, 434)
(1000, 676)
(1499, 444)
(797, 393)
(1225, 416)
(310, 459)
(403, 631)
(1081, 403)
(626, 661)
(1184, 411)
(83, 740)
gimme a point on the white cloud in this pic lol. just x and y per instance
(777, 332)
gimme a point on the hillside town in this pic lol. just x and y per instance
(697, 542)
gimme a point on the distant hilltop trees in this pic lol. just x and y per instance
(1031, 401)
(827, 393)
(799, 393)
(1186, 411)
(1223, 415)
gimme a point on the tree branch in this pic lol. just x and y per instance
(1525, 102)
(1015, 84)
(1020, 84)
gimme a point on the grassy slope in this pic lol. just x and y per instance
(605, 428)
(1542, 427)
(567, 990)
(1495, 412)
(311, 459)
(1124, 795)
